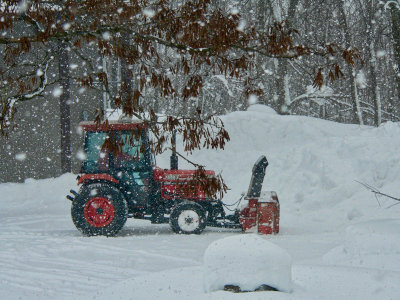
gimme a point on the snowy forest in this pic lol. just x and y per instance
(365, 92)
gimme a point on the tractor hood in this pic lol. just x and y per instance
(174, 184)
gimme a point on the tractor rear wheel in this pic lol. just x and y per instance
(99, 209)
(188, 218)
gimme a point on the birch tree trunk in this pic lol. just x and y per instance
(261, 13)
(371, 40)
(282, 65)
(355, 100)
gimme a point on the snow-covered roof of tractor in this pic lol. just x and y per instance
(111, 125)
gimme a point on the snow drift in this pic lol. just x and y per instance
(373, 244)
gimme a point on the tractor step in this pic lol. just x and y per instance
(71, 198)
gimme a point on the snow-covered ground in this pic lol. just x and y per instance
(344, 244)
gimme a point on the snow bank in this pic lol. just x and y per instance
(246, 261)
(313, 166)
(44, 196)
(373, 244)
(380, 236)
(329, 282)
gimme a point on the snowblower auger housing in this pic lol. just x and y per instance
(116, 185)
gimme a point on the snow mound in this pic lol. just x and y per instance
(246, 261)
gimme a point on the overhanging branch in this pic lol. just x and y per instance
(34, 93)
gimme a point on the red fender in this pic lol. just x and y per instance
(88, 177)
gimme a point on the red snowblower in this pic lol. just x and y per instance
(117, 186)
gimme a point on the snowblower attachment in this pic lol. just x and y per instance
(262, 211)
(219, 219)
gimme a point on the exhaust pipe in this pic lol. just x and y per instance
(174, 157)
(71, 198)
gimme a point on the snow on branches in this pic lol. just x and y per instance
(138, 32)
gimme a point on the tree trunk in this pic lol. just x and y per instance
(373, 64)
(357, 112)
(65, 112)
(395, 14)
(126, 75)
(282, 85)
(282, 65)
(375, 92)
(261, 13)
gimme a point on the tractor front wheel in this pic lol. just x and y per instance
(188, 218)
(99, 209)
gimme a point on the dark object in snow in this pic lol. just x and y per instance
(261, 288)
(124, 182)
(265, 287)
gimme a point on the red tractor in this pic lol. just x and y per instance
(117, 185)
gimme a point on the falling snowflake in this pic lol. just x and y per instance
(149, 13)
(57, 91)
(81, 155)
(242, 25)
(106, 36)
(380, 53)
(20, 156)
(66, 26)
(234, 11)
(361, 80)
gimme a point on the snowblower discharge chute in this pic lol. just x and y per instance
(117, 185)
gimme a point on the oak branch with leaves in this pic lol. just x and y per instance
(138, 33)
